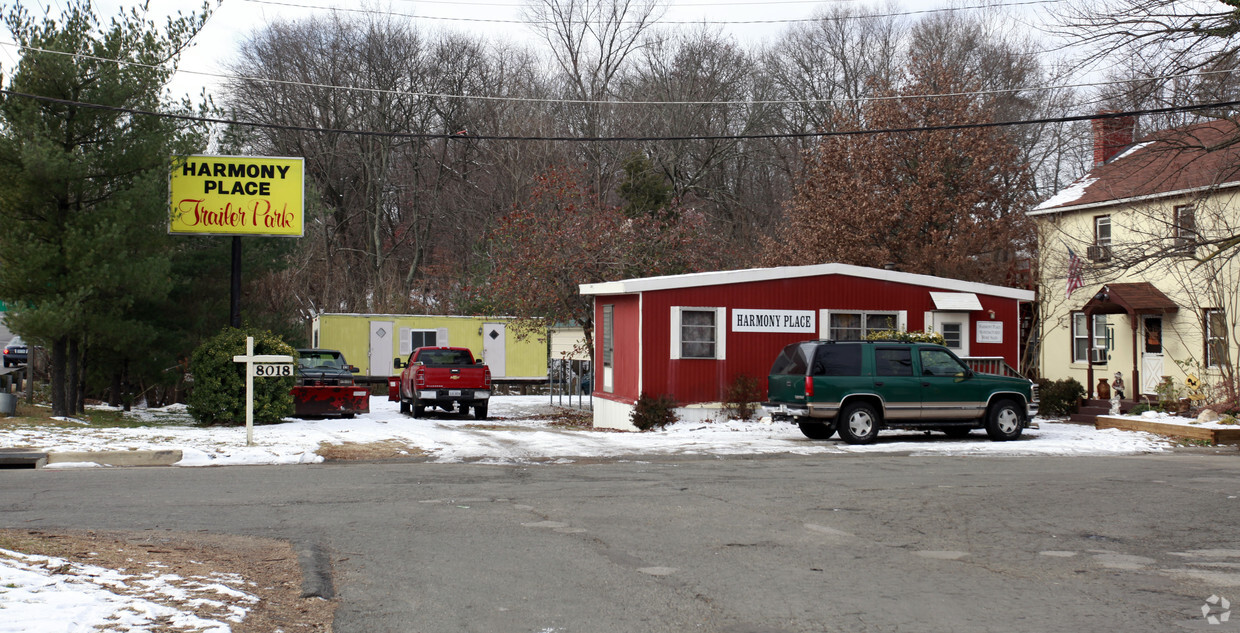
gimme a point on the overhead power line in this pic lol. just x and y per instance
(756, 102)
(996, 5)
(613, 139)
(675, 5)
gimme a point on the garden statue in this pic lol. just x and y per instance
(1117, 392)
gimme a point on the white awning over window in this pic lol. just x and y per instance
(956, 301)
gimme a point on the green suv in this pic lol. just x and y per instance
(860, 387)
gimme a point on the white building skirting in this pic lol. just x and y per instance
(609, 414)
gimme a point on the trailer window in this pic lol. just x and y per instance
(609, 346)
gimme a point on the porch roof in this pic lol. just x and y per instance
(1130, 298)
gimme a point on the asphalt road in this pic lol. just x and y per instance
(776, 544)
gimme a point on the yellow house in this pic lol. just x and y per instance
(1127, 285)
(372, 341)
(568, 342)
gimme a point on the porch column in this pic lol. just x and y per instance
(1089, 356)
(1135, 390)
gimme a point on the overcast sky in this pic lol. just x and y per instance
(234, 20)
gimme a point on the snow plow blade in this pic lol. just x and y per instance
(313, 401)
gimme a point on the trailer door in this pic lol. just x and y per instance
(493, 351)
(380, 358)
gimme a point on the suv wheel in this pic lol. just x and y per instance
(1005, 421)
(859, 423)
(816, 430)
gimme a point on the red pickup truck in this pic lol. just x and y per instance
(442, 377)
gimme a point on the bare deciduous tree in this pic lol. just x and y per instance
(948, 202)
(393, 205)
(591, 43)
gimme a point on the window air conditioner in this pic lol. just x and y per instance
(1099, 252)
(1098, 355)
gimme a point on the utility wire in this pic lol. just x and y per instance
(756, 102)
(674, 5)
(996, 5)
(613, 139)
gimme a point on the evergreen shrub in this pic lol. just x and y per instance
(218, 395)
(1059, 398)
(906, 337)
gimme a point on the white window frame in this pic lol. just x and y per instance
(1210, 336)
(1100, 334)
(824, 317)
(1184, 224)
(1099, 222)
(961, 333)
(721, 332)
(608, 343)
(406, 338)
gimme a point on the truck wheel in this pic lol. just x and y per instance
(480, 412)
(1005, 421)
(418, 410)
(859, 423)
(816, 430)
(404, 406)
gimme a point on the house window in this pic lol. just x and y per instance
(1102, 230)
(609, 346)
(1100, 250)
(1080, 335)
(1216, 338)
(697, 333)
(854, 326)
(952, 336)
(1185, 225)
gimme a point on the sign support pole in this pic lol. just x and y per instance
(249, 389)
(234, 300)
(275, 365)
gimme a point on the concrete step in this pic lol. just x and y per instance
(1089, 411)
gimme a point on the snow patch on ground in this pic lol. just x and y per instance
(520, 431)
(53, 595)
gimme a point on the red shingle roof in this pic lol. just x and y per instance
(1141, 297)
(1183, 159)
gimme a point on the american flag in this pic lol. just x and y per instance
(1074, 272)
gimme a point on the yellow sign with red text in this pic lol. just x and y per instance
(236, 195)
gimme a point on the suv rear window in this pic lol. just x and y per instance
(837, 360)
(791, 361)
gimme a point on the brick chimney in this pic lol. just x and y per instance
(1111, 136)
